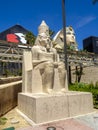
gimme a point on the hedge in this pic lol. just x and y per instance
(93, 88)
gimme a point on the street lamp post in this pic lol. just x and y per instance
(64, 33)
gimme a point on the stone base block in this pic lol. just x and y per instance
(42, 108)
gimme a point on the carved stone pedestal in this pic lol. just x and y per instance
(41, 108)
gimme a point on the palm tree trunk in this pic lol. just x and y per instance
(81, 71)
(76, 74)
(70, 75)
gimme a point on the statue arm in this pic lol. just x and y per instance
(56, 55)
(37, 62)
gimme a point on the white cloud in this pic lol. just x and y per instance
(85, 20)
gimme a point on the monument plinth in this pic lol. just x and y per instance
(45, 96)
(42, 108)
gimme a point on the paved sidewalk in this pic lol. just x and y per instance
(86, 122)
(69, 124)
(14, 115)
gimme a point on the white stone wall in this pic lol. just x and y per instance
(90, 74)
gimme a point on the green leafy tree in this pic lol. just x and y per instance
(51, 33)
(30, 37)
(78, 73)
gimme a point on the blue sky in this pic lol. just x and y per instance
(82, 15)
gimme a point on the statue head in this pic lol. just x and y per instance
(43, 28)
(43, 38)
(70, 36)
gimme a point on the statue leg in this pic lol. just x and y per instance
(62, 76)
(48, 77)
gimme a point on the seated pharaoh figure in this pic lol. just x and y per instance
(46, 59)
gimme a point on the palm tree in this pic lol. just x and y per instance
(78, 73)
(51, 33)
(30, 37)
(94, 1)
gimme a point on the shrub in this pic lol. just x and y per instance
(96, 85)
(3, 120)
(87, 88)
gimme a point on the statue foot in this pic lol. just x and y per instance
(63, 90)
(49, 91)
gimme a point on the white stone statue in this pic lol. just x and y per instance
(43, 98)
(48, 73)
(46, 58)
(70, 39)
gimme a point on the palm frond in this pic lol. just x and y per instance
(94, 1)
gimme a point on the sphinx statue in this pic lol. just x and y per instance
(48, 73)
(70, 39)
